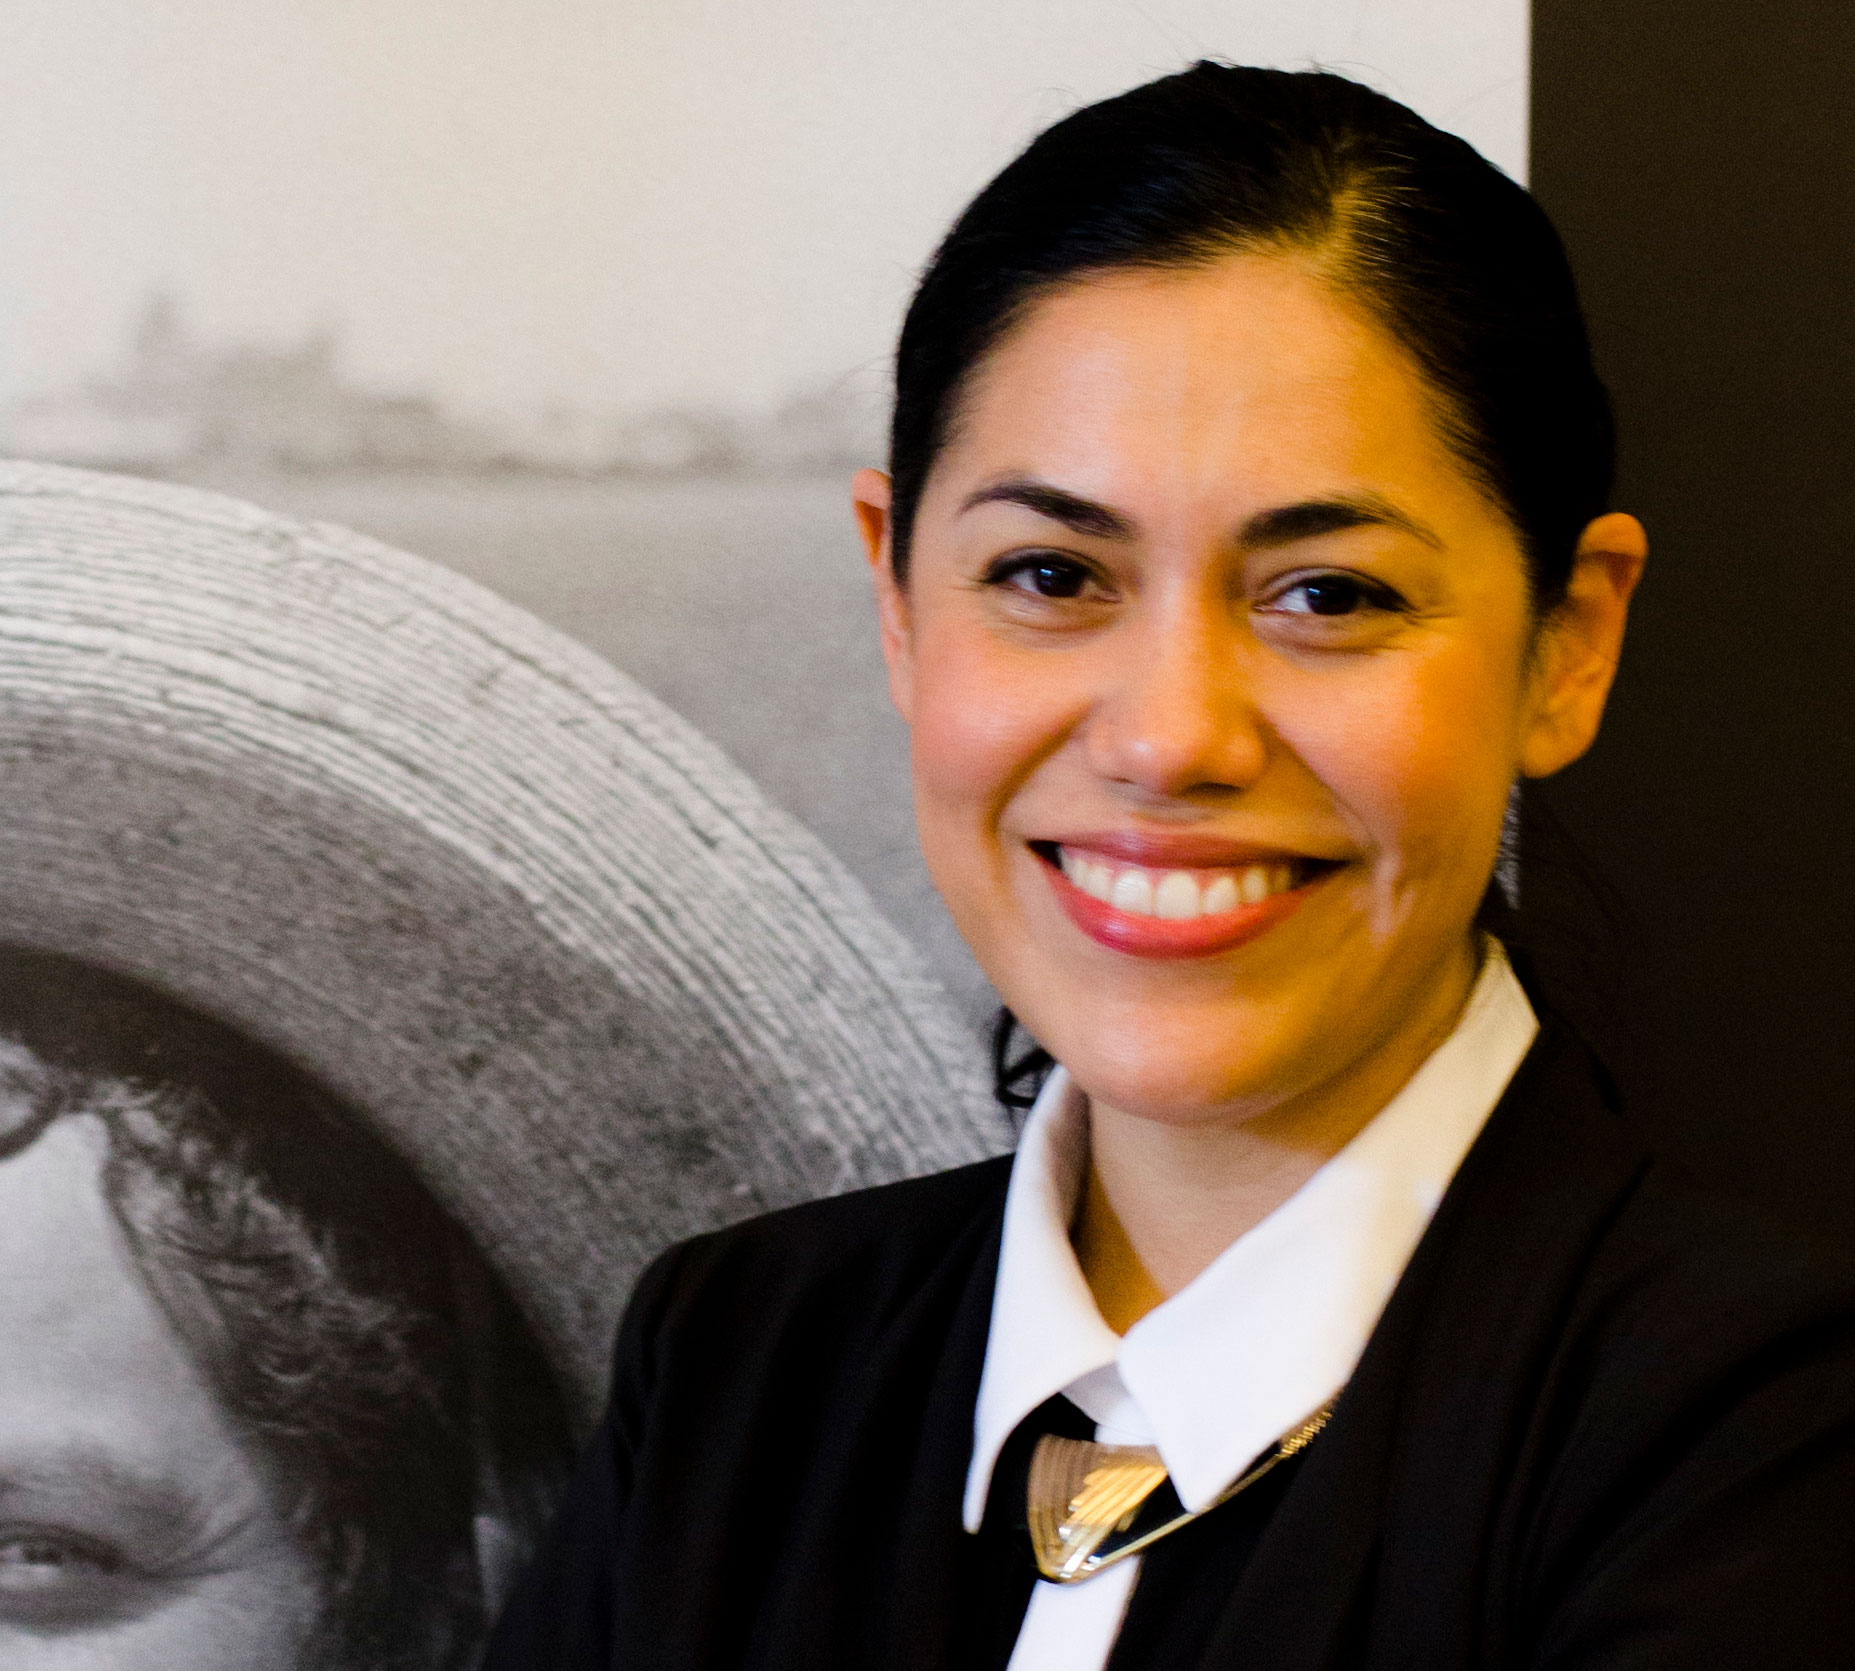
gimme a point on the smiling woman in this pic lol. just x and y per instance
(1249, 629)
(1246, 542)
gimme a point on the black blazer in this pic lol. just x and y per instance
(1604, 1422)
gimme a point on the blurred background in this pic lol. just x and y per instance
(587, 299)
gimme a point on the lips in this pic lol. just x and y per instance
(1123, 893)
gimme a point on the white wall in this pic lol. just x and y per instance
(597, 202)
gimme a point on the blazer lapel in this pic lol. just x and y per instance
(929, 1601)
(1429, 1425)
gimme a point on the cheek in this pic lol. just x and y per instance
(230, 1621)
(1418, 758)
(983, 718)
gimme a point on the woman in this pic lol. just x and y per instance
(1246, 540)
(261, 1405)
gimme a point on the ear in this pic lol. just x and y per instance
(1575, 659)
(871, 497)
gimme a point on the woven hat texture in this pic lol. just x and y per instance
(480, 884)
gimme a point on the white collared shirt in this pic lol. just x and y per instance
(1255, 1343)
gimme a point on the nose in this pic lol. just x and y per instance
(1174, 716)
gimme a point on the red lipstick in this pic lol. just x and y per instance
(1174, 895)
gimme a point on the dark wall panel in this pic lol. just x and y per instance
(1700, 160)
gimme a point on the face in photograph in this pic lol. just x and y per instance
(262, 1404)
(137, 1526)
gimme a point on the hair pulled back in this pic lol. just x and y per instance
(1453, 258)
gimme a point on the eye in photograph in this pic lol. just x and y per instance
(56, 1579)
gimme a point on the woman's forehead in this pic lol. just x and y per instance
(1250, 375)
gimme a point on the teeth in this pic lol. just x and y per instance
(1133, 892)
(1177, 896)
(1174, 895)
(1090, 875)
(1221, 896)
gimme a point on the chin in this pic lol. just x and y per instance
(1170, 1070)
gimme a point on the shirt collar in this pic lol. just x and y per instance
(1274, 1325)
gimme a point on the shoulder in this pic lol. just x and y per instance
(740, 1343)
(1567, 1180)
(1693, 1299)
(1702, 1393)
(1675, 1288)
(1698, 1443)
(866, 1253)
(1686, 1253)
(891, 1227)
(1585, 1305)
(1626, 1397)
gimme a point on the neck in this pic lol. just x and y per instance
(1162, 1199)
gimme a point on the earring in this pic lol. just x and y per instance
(1507, 862)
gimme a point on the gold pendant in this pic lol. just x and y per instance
(1081, 1494)
(1085, 1499)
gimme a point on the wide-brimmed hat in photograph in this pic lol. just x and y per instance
(556, 949)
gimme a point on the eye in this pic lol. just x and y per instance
(33, 1558)
(1042, 574)
(1332, 594)
(54, 1579)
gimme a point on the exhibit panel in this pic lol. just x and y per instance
(383, 980)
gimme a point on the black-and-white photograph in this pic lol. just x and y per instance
(383, 980)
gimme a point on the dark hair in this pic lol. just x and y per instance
(1454, 258)
(351, 1333)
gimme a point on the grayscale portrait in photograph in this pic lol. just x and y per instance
(264, 1402)
(383, 980)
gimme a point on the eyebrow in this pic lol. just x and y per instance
(1079, 515)
(1286, 524)
(1281, 525)
(140, 1506)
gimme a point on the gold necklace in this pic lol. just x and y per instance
(1085, 1499)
